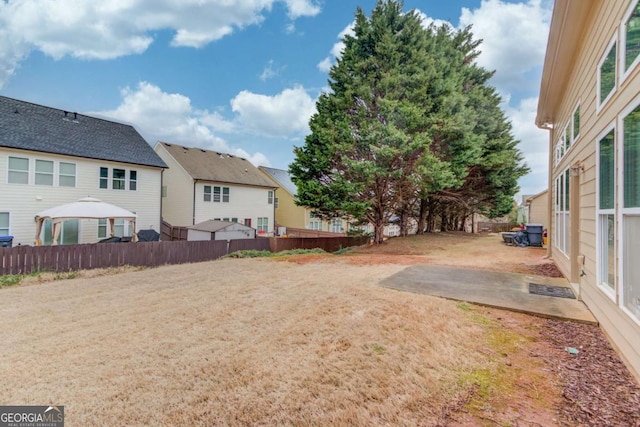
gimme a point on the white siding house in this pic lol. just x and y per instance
(203, 185)
(49, 157)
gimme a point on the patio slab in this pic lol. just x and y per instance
(490, 288)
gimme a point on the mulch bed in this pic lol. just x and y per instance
(548, 269)
(598, 390)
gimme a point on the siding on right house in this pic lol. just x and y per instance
(590, 103)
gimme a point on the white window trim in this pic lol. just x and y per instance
(574, 138)
(21, 171)
(622, 211)
(127, 180)
(610, 293)
(8, 225)
(600, 103)
(623, 46)
(561, 177)
(75, 175)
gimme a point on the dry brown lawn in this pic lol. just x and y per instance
(302, 340)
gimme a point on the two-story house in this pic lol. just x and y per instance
(50, 157)
(203, 185)
(590, 103)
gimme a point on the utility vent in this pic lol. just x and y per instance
(551, 291)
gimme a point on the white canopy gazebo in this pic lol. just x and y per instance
(87, 208)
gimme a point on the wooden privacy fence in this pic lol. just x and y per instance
(63, 258)
(329, 244)
(495, 227)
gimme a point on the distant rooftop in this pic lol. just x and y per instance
(215, 166)
(283, 178)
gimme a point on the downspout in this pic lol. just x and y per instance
(161, 185)
(275, 189)
(193, 217)
(549, 127)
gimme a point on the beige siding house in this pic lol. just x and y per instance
(49, 157)
(590, 103)
(203, 185)
(290, 215)
(538, 208)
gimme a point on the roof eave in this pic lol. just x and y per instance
(567, 25)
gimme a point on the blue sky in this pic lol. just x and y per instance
(240, 76)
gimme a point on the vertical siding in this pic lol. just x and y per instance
(604, 23)
(25, 201)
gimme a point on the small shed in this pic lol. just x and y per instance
(219, 230)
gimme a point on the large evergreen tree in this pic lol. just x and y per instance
(404, 126)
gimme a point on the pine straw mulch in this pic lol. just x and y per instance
(598, 390)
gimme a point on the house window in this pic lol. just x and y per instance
(234, 219)
(44, 172)
(69, 232)
(207, 193)
(118, 180)
(561, 237)
(164, 191)
(216, 194)
(576, 123)
(275, 202)
(121, 228)
(4, 223)
(315, 225)
(225, 194)
(607, 74)
(247, 222)
(225, 219)
(606, 212)
(133, 180)
(104, 177)
(263, 224)
(67, 175)
(18, 170)
(270, 197)
(336, 226)
(631, 213)
(567, 137)
(631, 37)
(102, 228)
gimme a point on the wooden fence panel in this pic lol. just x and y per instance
(64, 258)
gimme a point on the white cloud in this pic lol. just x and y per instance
(336, 51)
(269, 72)
(514, 40)
(534, 143)
(427, 21)
(298, 8)
(158, 115)
(325, 65)
(103, 30)
(282, 115)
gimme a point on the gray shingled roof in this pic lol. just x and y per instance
(28, 126)
(283, 178)
(206, 165)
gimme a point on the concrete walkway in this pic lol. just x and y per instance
(494, 289)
